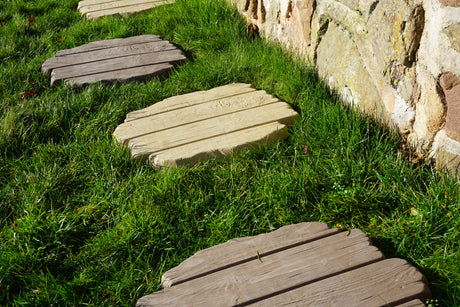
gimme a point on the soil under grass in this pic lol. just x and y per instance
(81, 223)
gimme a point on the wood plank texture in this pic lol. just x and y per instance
(110, 43)
(245, 249)
(98, 8)
(221, 146)
(186, 100)
(386, 283)
(118, 59)
(124, 75)
(194, 113)
(202, 125)
(305, 264)
(107, 54)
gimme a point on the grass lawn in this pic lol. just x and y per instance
(81, 223)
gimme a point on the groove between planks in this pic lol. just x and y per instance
(117, 5)
(244, 249)
(188, 133)
(221, 146)
(98, 2)
(275, 273)
(112, 43)
(389, 282)
(101, 5)
(117, 59)
(206, 124)
(106, 54)
(96, 9)
(198, 112)
(329, 268)
(118, 63)
(196, 98)
(137, 73)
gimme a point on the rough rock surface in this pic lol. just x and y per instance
(450, 2)
(451, 87)
(392, 58)
(337, 53)
(453, 33)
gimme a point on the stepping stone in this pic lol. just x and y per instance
(98, 8)
(207, 124)
(120, 59)
(306, 264)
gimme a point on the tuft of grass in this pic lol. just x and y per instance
(82, 223)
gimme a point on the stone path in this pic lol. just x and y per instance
(306, 264)
(98, 8)
(119, 59)
(207, 124)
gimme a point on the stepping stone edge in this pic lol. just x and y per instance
(205, 125)
(122, 60)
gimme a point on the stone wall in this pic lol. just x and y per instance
(398, 60)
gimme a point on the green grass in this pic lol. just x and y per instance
(81, 223)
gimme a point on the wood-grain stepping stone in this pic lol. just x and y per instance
(98, 8)
(206, 124)
(121, 59)
(306, 264)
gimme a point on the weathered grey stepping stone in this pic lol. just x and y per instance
(203, 125)
(98, 8)
(306, 264)
(120, 59)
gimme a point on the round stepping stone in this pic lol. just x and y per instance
(98, 8)
(206, 124)
(119, 59)
(306, 264)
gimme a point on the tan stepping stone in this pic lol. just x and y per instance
(98, 8)
(306, 264)
(120, 59)
(206, 124)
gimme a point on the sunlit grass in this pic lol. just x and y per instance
(81, 223)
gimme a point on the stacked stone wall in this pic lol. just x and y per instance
(398, 60)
